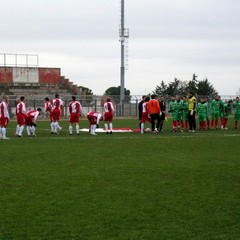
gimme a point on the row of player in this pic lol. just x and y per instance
(183, 112)
(53, 108)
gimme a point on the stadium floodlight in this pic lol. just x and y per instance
(123, 34)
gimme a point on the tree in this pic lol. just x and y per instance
(86, 94)
(178, 87)
(173, 87)
(204, 87)
(161, 89)
(114, 92)
(192, 85)
(86, 91)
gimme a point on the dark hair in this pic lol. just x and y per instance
(46, 99)
(56, 95)
(147, 99)
(73, 98)
(153, 96)
(39, 109)
(22, 98)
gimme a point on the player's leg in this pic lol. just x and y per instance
(21, 125)
(194, 122)
(33, 129)
(236, 118)
(110, 127)
(4, 132)
(142, 127)
(70, 128)
(213, 120)
(106, 126)
(77, 128)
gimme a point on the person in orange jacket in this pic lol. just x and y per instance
(153, 107)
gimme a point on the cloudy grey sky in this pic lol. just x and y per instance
(168, 38)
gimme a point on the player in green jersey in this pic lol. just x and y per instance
(202, 112)
(208, 115)
(227, 109)
(221, 110)
(185, 113)
(236, 107)
(179, 114)
(215, 109)
(174, 111)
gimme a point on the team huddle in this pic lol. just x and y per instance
(184, 110)
(53, 108)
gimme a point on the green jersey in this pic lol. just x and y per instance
(216, 106)
(185, 110)
(207, 107)
(226, 110)
(179, 105)
(202, 109)
(236, 106)
(173, 106)
(174, 110)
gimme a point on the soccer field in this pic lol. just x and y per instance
(121, 186)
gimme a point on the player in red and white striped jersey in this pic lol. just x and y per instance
(75, 110)
(48, 108)
(108, 115)
(57, 105)
(94, 118)
(20, 112)
(31, 121)
(4, 117)
(145, 114)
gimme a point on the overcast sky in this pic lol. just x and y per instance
(168, 38)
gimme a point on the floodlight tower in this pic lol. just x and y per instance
(123, 34)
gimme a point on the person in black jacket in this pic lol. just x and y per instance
(162, 103)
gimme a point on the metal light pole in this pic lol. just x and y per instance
(123, 33)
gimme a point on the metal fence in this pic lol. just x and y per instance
(93, 103)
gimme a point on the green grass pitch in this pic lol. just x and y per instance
(121, 186)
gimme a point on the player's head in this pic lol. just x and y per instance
(229, 102)
(237, 99)
(73, 98)
(177, 97)
(22, 98)
(56, 95)
(147, 99)
(108, 99)
(143, 97)
(153, 96)
(39, 109)
(190, 93)
(5, 98)
(172, 97)
(46, 99)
